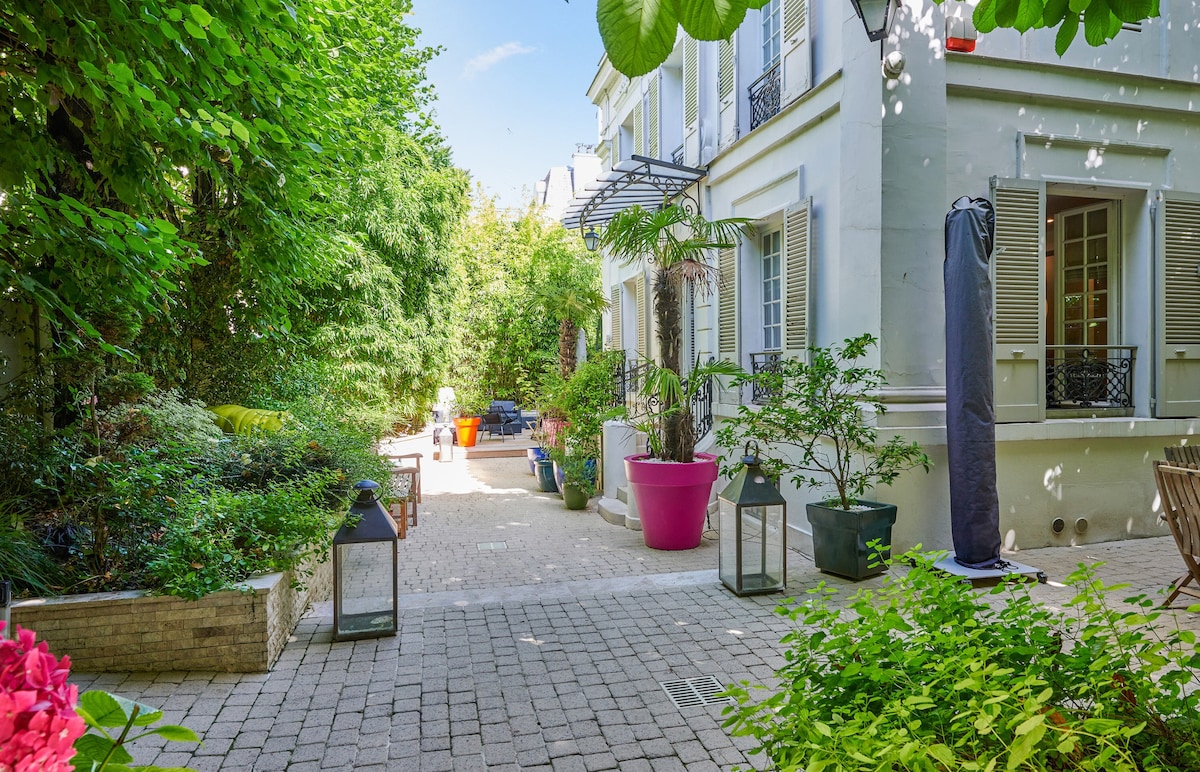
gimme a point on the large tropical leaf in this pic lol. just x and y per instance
(1066, 34)
(1133, 11)
(638, 34)
(711, 19)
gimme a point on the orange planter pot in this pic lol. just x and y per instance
(468, 430)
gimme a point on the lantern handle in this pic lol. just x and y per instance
(747, 456)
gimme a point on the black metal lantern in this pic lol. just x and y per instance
(876, 16)
(753, 517)
(591, 240)
(365, 563)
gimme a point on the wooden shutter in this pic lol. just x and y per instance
(604, 150)
(1177, 247)
(727, 304)
(797, 278)
(652, 113)
(797, 55)
(691, 85)
(1019, 292)
(640, 294)
(615, 304)
(639, 130)
(725, 70)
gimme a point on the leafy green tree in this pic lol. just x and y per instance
(639, 35)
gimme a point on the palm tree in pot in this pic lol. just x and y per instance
(676, 243)
(813, 415)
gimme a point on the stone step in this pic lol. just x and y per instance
(623, 494)
(613, 511)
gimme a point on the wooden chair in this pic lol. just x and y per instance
(1182, 454)
(406, 484)
(1179, 489)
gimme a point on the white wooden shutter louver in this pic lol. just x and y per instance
(615, 306)
(725, 70)
(727, 304)
(641, 316)
(793, 17)
(691, 83)
(797, 58)
(797, 280)
(639, 130)
(1178, 366)
(652, 109)
(1019, 292)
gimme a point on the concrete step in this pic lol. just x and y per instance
(613, 511)
(623, 494)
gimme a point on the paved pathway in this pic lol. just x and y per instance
(532, 638)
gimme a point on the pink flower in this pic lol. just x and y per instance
(38, 724)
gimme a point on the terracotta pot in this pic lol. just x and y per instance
(468, 430)
(672, 498)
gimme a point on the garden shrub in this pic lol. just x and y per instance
(927, 673)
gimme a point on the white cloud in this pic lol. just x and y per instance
(489, 59)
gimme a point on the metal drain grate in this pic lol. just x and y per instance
(690, 692)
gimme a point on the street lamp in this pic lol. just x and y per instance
(876, 16)
(591, 240)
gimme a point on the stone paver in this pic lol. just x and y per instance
(547, 654)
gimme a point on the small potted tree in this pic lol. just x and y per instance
(469, 401)
(586, 400)
(813, 415)
(672, 483)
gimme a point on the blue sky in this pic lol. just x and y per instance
(511, 85)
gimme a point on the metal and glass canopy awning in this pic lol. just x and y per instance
(640, 181)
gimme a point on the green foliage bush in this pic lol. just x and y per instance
(926, 673)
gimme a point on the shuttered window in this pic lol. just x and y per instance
(794, 12)
(640, 294)
(615, 306)
(1178, 366)
(725, 69)
(797, 279)
(727, 304)
(1018, 294)
(639, 130)
(691, 83)
(652, 111)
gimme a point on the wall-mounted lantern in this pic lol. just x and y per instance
(365, 569)
(876, 16)
(591, 240)
(753, 519)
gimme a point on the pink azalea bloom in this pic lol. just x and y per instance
(38, 723)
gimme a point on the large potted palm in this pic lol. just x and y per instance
(672, 483)
(813, 416)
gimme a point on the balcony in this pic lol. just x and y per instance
(763, 362)
(629, 378)
(1090, 378)
(765, 97)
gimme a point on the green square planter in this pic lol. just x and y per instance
(840, 538)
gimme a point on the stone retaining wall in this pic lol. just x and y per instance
(239, 631)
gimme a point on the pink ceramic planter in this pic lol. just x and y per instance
(671, 499)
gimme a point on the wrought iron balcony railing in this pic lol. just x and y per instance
(765, 97)
(677, 156)
(1089, 376)
(763, 362)
(630, 376)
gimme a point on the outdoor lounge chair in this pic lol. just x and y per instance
(1182, 454)
(1179, 490)
(503, 418)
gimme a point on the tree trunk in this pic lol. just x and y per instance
(678, 439)
(568, 333)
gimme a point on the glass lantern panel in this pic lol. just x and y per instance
(762, 548)
(365, 589)
(728, 545)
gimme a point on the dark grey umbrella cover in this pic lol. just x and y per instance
(970, 417)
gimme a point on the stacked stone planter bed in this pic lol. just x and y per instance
(236, 631)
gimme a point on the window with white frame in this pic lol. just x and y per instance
(772, 305)
(770, 34)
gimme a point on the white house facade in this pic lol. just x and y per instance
(1092, 163)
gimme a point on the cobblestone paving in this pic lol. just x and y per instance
(546, 653)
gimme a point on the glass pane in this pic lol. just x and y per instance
(1073, 253)
(1097, 333)
(1073, 282)
(1072, 307)
(1074, 226)
(1097, 222)
(1098, 305)
(1073, 334)
(1097, 250)
(1098, 278)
